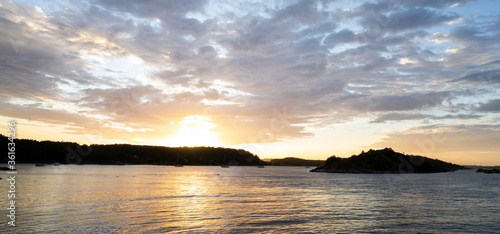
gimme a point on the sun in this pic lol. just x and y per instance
(193, 137)
(194, 130)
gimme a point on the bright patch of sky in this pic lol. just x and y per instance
(120, 69)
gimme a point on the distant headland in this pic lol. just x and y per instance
(488, 171)
(385, 161)
(292, 161)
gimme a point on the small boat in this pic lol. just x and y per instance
(260, 166)
(56, 164)
(40, 164)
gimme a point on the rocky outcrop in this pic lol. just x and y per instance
(385, 161)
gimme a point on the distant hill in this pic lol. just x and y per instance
(489, 171)
(31, 151)
(290, 161)
(385, 161)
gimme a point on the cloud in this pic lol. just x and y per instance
(398, 117)
(303, 11)
(36, 57)
(36, 112)
(395, 116)
(414, 18)
(493, 105)
(491, 76)
(400, 102)
(436, 3)
(389, 16)
(154, 8)
(343, 36)
(319, 29)
(438, 38)
(470, 34)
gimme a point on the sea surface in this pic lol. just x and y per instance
(201, 199)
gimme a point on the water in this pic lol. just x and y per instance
(158, 199)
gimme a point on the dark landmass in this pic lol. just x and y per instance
(290, 161)
(489, 171)
(481, 167)
(48, 152)
(385, 161)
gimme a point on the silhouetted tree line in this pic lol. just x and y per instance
(32, 151)
(291, 161)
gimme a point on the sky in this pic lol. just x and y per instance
(305, 79)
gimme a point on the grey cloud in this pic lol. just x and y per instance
(310, 66)
(495, 26)
(309, 45)
(413, 18)
(492, 76)
(309, 70)
(398, 16)
(384, 6)
(50, 116)
(476, 44)
(173, 77)
(21, 82)
(471, 34)
(320, 89)
(401, 102)
(135, 26)
(155, 8)
(396, 39)
(459, 116)
(435, 3)
(319, 29)
(394, 116)
(304, 11)
(259, 34)
(343, 36)
(124, 102)
(399, 117)
(33, 62)
(493, 105)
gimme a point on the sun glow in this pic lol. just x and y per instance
(194, 130)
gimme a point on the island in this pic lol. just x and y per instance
(385, 161)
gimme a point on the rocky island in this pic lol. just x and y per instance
(385, 161)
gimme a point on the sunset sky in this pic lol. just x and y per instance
(305, 79)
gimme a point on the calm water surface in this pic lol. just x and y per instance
(158, 199)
